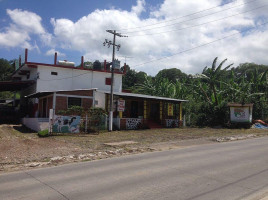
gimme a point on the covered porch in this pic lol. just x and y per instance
(137, 111)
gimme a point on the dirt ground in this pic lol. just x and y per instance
(22, 149)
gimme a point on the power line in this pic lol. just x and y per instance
(174, 30)
(167, 56)
(185, 15)
(196, 47)
(190, 19)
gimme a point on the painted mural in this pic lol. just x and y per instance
(66, 124)
(240, 114)
(133, 123)
(172, 123)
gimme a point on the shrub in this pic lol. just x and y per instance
(43, 133)
(96, 112)
(73, 110)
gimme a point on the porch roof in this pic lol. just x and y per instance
(46, 93)
(14, 85)
(142, 96)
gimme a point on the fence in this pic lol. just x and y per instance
(93, 124)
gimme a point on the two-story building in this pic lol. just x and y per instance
(60, 85)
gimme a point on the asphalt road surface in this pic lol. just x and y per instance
(233, 170)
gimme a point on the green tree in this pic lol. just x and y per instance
(132, 78)
(6, 69)
(172, 74)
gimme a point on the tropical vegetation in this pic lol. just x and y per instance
(210, 92)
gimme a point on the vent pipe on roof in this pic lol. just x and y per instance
(82, 62)
(55, 58)
(26, 55)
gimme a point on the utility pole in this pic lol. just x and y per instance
(109, 43)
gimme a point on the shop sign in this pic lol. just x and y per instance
(120, 105)
(170, 109)
(240, 114)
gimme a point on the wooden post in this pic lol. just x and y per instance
(86, 125)
(145, 109)
(161, 111)
(120, 112)
(180, 111)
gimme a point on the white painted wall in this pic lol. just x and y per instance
(33, 74)
(100, 97)
(73, 79)
(35, 124)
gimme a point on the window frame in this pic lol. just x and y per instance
(68, 101)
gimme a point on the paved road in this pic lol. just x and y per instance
(233, 170)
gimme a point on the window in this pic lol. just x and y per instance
(73, 101)
(108, 81)
(54, 73)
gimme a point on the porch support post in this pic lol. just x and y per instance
(180, 111)
(14, 99)
(145, 109)
(120, 112)
(54, 102)
(161, 111)
(93, 100)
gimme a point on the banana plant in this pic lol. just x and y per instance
(212, 76)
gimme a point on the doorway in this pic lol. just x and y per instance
(155, 111)
(44, 106)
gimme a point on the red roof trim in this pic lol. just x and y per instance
(68, 67)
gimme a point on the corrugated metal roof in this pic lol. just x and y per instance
(134, 95)
(142, 96)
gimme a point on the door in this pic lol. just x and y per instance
(134, 109)
(44, 106)
(155, 111)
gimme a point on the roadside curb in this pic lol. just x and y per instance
(260, 195)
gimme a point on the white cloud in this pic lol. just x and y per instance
(51, 52)
(23, 25)
(88, 33)
(139, 8)
(12, 37)
(26, 20)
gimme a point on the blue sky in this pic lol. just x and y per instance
(76, 28)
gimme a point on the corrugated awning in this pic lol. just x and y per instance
(14, 85)
(38, 94)
(134, 95)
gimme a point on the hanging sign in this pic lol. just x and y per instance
(170, 109)
(116, 64)
(120, 105)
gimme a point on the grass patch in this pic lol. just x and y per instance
(43, 133)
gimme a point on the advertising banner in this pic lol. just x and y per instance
(239, 114)
(170, 109)
(120, 105)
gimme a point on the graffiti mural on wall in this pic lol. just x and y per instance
(66, 124)
(133, 123)
(171, 123)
